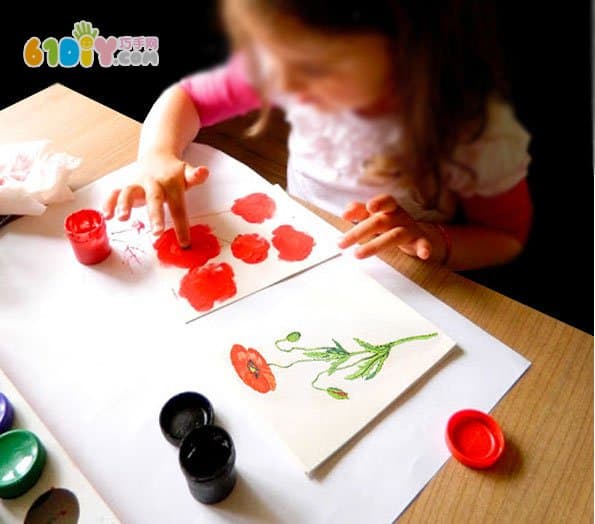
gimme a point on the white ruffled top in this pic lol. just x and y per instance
(329, 153)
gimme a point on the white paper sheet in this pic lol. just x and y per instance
(97, 358)
(320, 387)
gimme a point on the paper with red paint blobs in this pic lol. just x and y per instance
(243, 240)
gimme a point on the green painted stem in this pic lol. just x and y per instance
(294, 348)
(298, 348)
(317, 377)
(409, 339)
(289, 365)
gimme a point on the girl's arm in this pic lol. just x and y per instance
(472, 247)
(505, 220)
(223, 92)
(496, 231)
(496, 200)
(202, 99)
(162, 176)
(171, 125)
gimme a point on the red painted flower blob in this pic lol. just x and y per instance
(250, 248)
(203, 286)
(252, 368)
(254, 208)
(292, 245)
(204, 246)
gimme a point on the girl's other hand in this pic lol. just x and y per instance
(380, 223)
(161, 179)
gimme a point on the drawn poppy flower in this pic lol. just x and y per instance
(251, 248)
(292, 245)
(252, 368)
(254, 208)
(203, 286)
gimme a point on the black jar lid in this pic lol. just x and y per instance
(182, 413)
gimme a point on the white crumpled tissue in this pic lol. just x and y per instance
(31, 177)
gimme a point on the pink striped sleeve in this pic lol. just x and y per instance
(221, 93)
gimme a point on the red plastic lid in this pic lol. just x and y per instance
(474, 438)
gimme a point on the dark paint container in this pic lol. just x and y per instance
(207, 454)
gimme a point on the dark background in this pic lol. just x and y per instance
(548, 53)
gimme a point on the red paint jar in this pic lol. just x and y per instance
(88, 236)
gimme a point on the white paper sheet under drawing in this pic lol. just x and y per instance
(252, 249)
(327, 360)
(92, 351)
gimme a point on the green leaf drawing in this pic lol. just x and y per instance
(368, 346)
(339, 347)
(335, 365)
(363, 369)
(319, 355)
(338, 352)
(329, 353)
(376, 367)
(368, 361)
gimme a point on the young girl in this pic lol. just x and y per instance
(399, 122)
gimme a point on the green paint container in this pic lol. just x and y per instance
(22, 458)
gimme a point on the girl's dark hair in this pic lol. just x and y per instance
(448, 59)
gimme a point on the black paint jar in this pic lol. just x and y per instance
(207, 458)
(182, 413)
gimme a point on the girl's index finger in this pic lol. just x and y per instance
(356, 212)
(182, 229)
(382, 204)
(177, 208)
(371, 226)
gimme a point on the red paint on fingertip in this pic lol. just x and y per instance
(250, 248)
(254, 208)
(292, 245)
(204, 246)
(204, 286)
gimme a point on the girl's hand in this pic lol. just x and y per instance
(381, 222)
(161, 179)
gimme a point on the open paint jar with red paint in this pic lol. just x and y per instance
(87, 234)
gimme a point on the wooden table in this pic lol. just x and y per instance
(546, 474)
